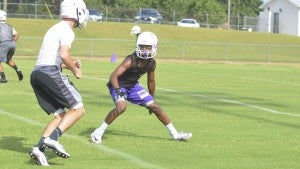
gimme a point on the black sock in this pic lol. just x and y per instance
(40, 144)
(56, 134)
(15, 67)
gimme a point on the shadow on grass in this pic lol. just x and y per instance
(215, 104)
(249, 116)
(16, 144)
(13, 144)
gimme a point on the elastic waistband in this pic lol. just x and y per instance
(47, 68)
(6, 41)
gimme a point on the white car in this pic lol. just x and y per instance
(192, 23)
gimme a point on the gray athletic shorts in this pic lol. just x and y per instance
(7, 50)
(53, 90)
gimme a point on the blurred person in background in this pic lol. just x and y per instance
(8, 39)
(135, 30)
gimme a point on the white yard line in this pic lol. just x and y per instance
(235, 102)
(133, 159)
(224, 100)
(136, 161)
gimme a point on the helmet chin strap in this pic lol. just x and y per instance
(77, 23)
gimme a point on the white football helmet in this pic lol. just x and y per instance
(3, 15)
(135, 30)
(75, 9)
(146, 38)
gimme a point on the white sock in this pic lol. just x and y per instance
(171, 129)
(102, 128)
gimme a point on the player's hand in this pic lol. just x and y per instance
(77, 63)
(150, 112)
(78, 73)
(120, 93)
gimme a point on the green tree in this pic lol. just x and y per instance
(214, 12)
(205, 11)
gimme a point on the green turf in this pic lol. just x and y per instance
(102, 39)
(120, 30)
(241, 116)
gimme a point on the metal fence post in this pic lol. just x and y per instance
(183, 46)
(227, 52)
(91, 48)
(269, 54)
(35, 9)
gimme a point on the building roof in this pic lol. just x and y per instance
(294, 2)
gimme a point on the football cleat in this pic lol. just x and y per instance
(95, 137)
(39, 156)
(3, 80)
(20, 75)
(56, 147)
(182, 136)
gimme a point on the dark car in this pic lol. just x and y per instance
(148, 15)
(95, 15)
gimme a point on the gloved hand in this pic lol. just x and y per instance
(150, 112)
(120, 93)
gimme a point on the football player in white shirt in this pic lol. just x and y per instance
(55, 94)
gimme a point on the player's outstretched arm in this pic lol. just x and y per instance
(118, 72)
(151, 83)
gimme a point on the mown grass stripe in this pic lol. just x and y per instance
(139, 162)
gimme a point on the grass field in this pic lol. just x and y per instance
(241, 116)
(101, 39)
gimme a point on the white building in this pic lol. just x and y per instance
(280, 16)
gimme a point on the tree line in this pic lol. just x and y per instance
(217, 10)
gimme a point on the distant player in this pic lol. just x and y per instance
(135, 30)
(8, 39)
(55, 94)
(124, 86)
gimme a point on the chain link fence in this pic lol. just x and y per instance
(49, 10)
(207, 51)
(183, 50)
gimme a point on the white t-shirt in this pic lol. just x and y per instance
(14, 31)
(58, 35)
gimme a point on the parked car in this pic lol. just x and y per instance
(192, 23)
(148, 15)
(95, 15)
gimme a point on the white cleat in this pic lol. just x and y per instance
(182, 136)
(95, 137)
(39, 156)
(56, 147)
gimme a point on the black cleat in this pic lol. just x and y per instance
(3, 80)
(20, 75)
